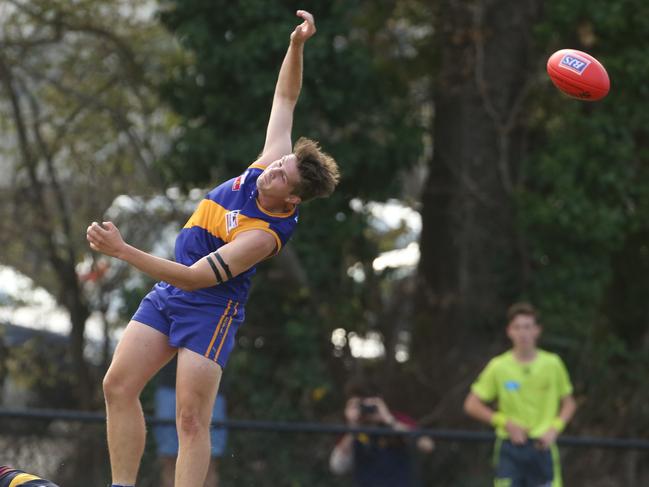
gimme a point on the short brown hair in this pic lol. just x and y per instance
(319, 173)
(522, 308)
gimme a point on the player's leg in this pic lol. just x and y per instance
(197, 381)
(141, 352)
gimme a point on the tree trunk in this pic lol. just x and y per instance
(61, 260)
(467, 251)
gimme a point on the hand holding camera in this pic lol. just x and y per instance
(368, 410)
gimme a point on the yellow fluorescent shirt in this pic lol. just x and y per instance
(527, 393)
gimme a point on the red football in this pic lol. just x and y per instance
(578, 75)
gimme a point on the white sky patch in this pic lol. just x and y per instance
(24, 304)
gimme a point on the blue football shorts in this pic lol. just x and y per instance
(203, 323)
(525, 465)
(165, 435)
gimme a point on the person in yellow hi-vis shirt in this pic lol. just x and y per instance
(533, 401)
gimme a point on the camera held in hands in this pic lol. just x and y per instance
(368, 409)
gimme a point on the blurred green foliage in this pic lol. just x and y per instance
(585, 203)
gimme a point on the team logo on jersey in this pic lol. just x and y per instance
(231, 220)
(236, 185)
(512, 385)
(574, 63)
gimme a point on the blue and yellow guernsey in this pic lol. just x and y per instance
(226, 211)
(10, 477)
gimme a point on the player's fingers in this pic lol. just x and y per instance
(93, 229)
(306, 16)
(96, 228)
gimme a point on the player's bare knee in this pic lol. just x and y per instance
(190, 423)
(118, 389)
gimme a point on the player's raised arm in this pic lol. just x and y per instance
(230, 260)
(287, 91)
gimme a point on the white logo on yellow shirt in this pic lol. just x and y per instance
(231, 220)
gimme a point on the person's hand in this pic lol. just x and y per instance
(105, 238)
(353, 411)
(548, 438)
(425, 444)
(382, 414)
(305, 30)
(517, 434)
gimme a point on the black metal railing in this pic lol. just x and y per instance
(70, 446)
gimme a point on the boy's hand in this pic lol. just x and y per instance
(305, 30)
(105, 238)
(548, 439)
(517, 434)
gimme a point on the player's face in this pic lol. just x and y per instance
(280, 177)
(523, 331)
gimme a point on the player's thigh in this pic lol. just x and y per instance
(197, 382)
(141, 352)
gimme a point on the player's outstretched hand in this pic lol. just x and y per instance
(105, 238)
(306, 29)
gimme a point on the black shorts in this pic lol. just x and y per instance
(525, 465)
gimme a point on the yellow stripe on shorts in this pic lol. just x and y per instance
(227, 329)
(218, 327)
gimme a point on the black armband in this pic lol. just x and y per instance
(223, 264)
(215, 269)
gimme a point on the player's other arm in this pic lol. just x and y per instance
(477, 409)
(567, 409)
(247, 249)
(287, 91)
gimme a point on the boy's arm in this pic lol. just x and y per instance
(476, 408)
(341, 459)
(287, 91)
(568, 409)
(247, 249)
(566, 412)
